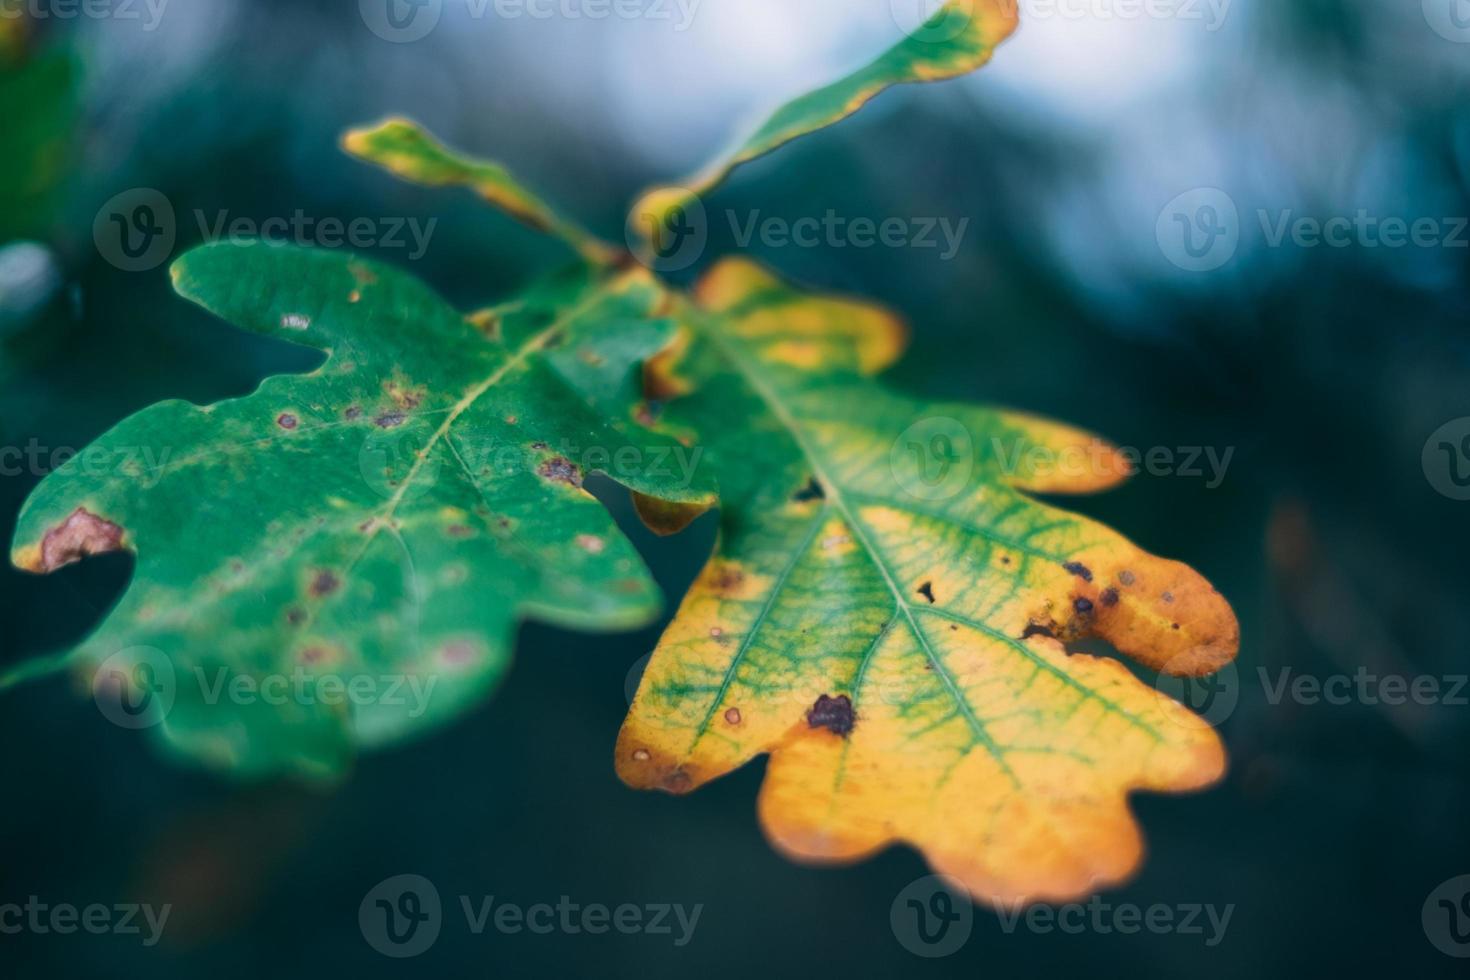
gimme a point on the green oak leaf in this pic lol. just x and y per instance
(406, 151)
(960, 37)
(341, 558)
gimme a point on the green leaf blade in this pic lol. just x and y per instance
(387, 518)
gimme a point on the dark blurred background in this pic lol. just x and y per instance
(1098, 162)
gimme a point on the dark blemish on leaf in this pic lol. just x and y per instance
(81, 535)
(1083, 606)
(1080, 570)
(648, 413)
(324, 583)
(1126, 578)
(732, 715)
(727, 578)
(1037, 629)
(953, 628)
(295, 616)
(812, 491)
(1168, 597)
(1005, 559)
(389, 420)
(678, 781)
(503, 523)
(539, 446)
(286, 420)
(458, 531)
(353, 413)
(561, 470)
(833, 714)
(1174, 626)
(1109, 597)
(511, 420)
(313, 655)
(927, 591)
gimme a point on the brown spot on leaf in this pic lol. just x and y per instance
(458, 531)
(324, 583)
(1083, 606)
(561, 470)
(390, 420)
(1038, 629)
(732, 715)
(1168, 597)
(812, 491)
(295, 616)
(1109, 597)
(927, 591)
(1080, 570)
(287, 421)
(353, 413)
(1126, 577)
(833, 714)
(81, 535)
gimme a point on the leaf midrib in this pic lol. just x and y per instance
(835, 501)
